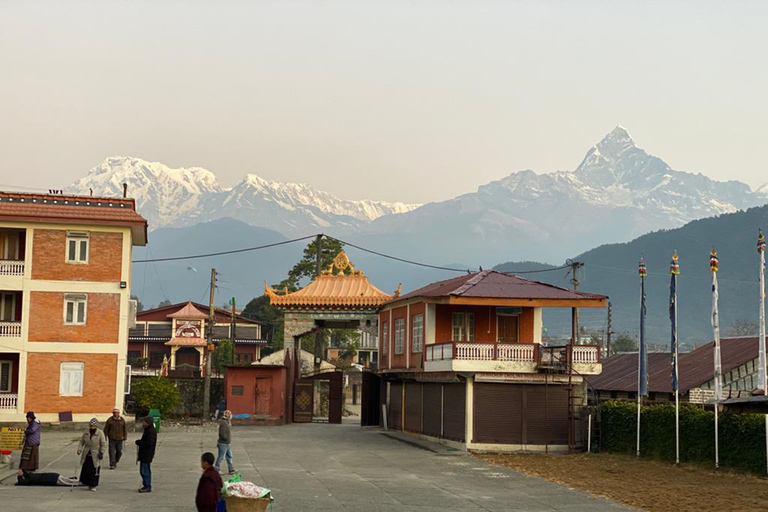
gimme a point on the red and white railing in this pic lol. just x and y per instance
(11, 268)
(522, 352)
(586, 354)
(10, 329)
(8, 401)
(475, 352)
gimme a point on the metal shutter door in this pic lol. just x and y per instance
(432, 409)
(454, 411)
(413, 407)
(395, 405)
(546, 415)
(497, 413)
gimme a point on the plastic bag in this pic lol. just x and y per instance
(221, 506)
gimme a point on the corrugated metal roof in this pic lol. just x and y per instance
(498, 285)
(333, 290)
(188, 312)
(696, 367)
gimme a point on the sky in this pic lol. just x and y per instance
(402, 101)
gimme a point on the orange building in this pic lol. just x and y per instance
(65, 271)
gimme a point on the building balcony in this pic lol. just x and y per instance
(510, 358)
(11, 267)
(8, 402)
(10, 329)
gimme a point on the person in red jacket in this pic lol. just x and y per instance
(209, 487)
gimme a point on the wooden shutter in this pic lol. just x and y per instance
(396, 405)
(454, 411)
(413, 407)
(432, 409)
(498, 413)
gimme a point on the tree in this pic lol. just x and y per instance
(743, 327)
(156, 393)
(307, 266)
(624, 342)
(261, 310)
(139, 305)
(223, 355)
(164, 303)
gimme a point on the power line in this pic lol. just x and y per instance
(222, 253)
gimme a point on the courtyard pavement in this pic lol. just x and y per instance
(316, 467)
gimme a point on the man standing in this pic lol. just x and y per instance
(209, 487)
(146, 446)
(116, 433)
(225, 439)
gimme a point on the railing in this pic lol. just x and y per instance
(8, 402)
(586, 354)
(517, 352)
(10, 329)
(11, 268)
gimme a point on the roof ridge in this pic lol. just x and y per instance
(469, 283)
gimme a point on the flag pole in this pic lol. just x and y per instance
(674, 270)
(714, 266)
(642, 354)
(763, 370)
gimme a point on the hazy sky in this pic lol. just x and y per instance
(413, 101)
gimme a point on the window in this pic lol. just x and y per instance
(463, 327)
(236, 390)
(6, 370)
(156, 359)
(11, 246)
(7, 307)
(77, 246)
(384, 337)
(417, 336)
(399, 335)
(75, 306)
(71, 379)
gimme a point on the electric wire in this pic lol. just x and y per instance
(222, 253)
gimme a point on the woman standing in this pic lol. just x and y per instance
(30, 454)
(91, 451)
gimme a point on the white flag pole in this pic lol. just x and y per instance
(763, 370)
(714, 265)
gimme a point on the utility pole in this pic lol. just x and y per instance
(209, 353)
(575, 266)
(233, 330)
(318, 271)
(609, 332)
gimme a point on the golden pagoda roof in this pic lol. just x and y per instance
(338, 291)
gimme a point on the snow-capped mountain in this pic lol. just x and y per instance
(181, 197)
(617, 193)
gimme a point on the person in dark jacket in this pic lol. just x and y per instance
(30, 453)
(146, 446)
(209, 487)
(116, 433)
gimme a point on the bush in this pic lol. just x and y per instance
(741, 435)
(159, 393)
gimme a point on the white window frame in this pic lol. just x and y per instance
(9, 365)
(399, 335)
(417, 334)
(3, 298)
(79, 302)
(384, 337)
(78, 238)
(465, 329)
(68, 387)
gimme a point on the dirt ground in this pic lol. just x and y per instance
(648, 485)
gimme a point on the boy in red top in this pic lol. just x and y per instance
(209, 488)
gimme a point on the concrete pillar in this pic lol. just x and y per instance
(468, 423)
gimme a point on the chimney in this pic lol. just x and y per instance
(125, 190)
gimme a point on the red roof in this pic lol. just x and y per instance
(85, 210)
(696, 368)
(188, 312)
(497, 285)
(162, 314)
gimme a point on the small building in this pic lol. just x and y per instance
(65, 308)
(463, 361)
(739, 360)
(178, 333)
(257, 393)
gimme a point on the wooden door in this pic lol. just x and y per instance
(303, 401)
(508, 329)
(263, 395)
(371, 400)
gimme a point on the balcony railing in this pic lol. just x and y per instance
(10, 329)
(8, 401)
(11, 268)
(586, 354)
(516, 352)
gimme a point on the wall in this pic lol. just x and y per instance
(416, 357)
(485, 323)
(46, 319)
(42, 383)
(49, 257)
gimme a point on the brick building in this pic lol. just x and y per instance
(177, 332)
(65, 271)
(462, 361)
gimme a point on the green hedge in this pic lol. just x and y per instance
(742, 436)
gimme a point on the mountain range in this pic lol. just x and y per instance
(618, 192)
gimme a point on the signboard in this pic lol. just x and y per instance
(526, 378)
(188, 329)
(509, 311)
(11, 438)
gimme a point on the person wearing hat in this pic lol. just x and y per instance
(30, 453)
(116, 433)
(146, 453)
(91, 451)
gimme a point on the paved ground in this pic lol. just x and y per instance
(308, 467)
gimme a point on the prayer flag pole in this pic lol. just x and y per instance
(714, 266)
(674, 270)
(642, 354)
(763, 371)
